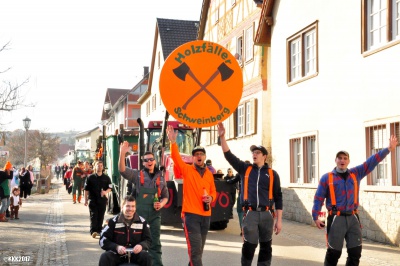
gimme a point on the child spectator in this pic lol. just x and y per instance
(16, 202)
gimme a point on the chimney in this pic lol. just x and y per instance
(145, 71)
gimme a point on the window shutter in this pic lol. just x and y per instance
(232, 126)
(253, 116)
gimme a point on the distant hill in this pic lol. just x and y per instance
(67, 137)
(67, 141)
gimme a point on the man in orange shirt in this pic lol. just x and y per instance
(198, 192)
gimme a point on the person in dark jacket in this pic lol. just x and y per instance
(230, 179)
(6, 174)
(258, 222)
(126, 230)
(25, 182)
(343, 222)
(97, 187)
(236, 180)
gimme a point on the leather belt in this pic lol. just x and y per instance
(258, 209)
(343, 213)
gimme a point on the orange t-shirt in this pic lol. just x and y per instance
(193, 185)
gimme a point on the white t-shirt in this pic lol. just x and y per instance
(14, 200)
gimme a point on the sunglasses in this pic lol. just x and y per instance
(148, 160)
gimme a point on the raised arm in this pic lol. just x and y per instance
(171, 134)
(123, 149)
(221, 134)
(392, 143)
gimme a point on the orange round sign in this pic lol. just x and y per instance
(201, 83)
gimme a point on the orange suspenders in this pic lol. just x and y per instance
(157, 183)
(332, 192)
(246, 184)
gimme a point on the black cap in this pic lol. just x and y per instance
(198, 148)
(342, 152)
(208, 162)
(260, 148)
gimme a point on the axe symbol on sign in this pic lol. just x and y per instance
(184, 70)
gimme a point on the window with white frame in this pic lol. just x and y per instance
(148, 108)
(211, 134)
(377, 140)
(229, 125)
(381, 22)
(395, 130)
(295, 160)
(239, 50)
(396, 19)
(154, 102)
(250, 117)
(243, 121)
(387, 173)
(310, 53)
(295, 59)
(303, 159)
(303, 53)
(249, 46)
(240, 120)
(159, 59)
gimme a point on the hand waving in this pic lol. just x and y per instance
(392, 143)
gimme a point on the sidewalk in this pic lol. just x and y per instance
(38, 237)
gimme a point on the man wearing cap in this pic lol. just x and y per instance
(340, 188)
(198, 192)
(257, 201)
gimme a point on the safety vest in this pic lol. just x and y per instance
(157, 183)
(246, 185)
(332, 193)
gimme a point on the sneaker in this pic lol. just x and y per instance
(94, 234)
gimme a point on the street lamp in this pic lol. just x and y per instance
(27, 123)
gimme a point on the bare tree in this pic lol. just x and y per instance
(46, 147)
(11, 97)
(16, 146)
(39, 145)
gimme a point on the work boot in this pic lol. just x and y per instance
(3, 217)
(74, 198)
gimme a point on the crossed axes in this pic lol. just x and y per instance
(184, 70)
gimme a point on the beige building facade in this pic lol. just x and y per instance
(234, 24)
